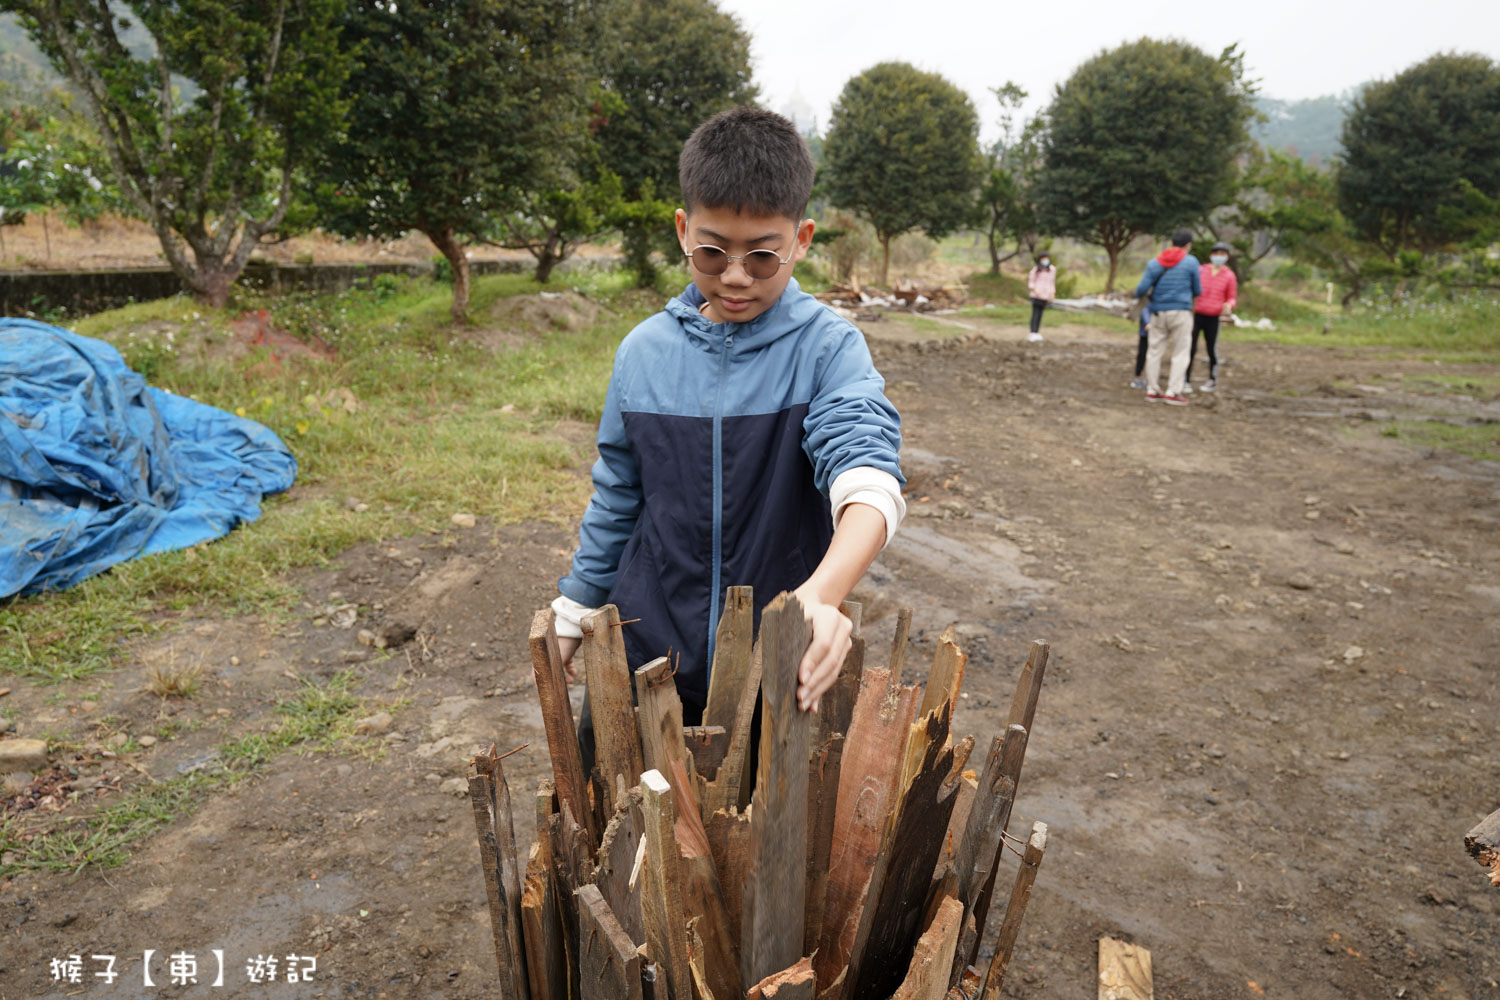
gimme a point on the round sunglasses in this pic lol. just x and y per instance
(759, 264)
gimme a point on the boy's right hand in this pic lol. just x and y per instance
(567, 646)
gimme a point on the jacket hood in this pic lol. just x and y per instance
(1171, 256)
(791, 312)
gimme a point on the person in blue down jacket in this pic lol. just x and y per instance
(746, 437)
(1173, 283)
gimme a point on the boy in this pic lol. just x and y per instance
(746, 437)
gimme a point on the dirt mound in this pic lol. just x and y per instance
(518, 319)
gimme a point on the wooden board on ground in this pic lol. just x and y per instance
(1124, 971)
(868, 773)
(490, 797)
(928, 975)
(609, 965)
(557, 721)
(794, 983)
(778, 903)
(1483, 843)
(617, 744)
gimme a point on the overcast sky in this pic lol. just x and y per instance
(1296, 48)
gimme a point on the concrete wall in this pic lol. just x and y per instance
(81, 292)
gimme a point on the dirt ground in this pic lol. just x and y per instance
(1268, 721)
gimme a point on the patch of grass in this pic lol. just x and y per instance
(1020, 315)
(1464, 329)
(414, 418)
(173, 681)
(1481, 441)
(1257, 299)
(1481, 386)
(316, 716)
(1000, 288)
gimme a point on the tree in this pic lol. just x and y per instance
(456, 108)
(1410, 143)
(1142, 139)
(1005, 194)
(672, 64)
(214, 171)
(903, 151)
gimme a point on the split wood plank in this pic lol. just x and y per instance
(490, 797)
(659, 716)
(899, 644)
(731, 787)
(927, 977)
(557, 720)
(1483, 844)
(1029, 686)
(731, 668)
(609, 966)
(822, 801)
(616, 859)
(574, 867)
(983, 841)
(774, 926)
(617, 744)
(703, 899)
(902, 876)
(542, 930)
(963, 807)
(794, 983)
(867, 780)
(836, 707)
(1010, 928)
(1124, 971)
(729, 840)
(652, 985)
(946, 676)
(967, 987)
(707, 745)
(661, 900)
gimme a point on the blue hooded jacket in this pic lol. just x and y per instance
(1176, 287)
(717, 447)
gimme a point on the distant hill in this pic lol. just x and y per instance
(1309, 128)
(21, 62)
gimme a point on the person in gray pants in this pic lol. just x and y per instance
(1172, 282)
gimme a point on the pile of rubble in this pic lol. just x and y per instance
(861, 304)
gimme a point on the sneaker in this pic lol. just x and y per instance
(1172, 400)
(1154, 397)
(1035, 338)
(1137, 383)
(1186, 389)
(1211, 385)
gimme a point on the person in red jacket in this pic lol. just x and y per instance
(1220, 287)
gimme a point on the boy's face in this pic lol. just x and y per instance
(734, 296)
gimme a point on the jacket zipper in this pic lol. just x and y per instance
(718, 521)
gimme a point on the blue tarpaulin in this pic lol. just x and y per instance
(96, 467)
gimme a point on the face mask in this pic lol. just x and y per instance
(1219, 258)
(1044, 262)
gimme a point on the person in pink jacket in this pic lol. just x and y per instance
(1220, 287)
(1041, 285)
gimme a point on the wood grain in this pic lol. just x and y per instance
(731, 668)
(1124, 971)
(794, 983)
(615, 860)
(557, 721)
(609, 966)
(617, 742)
(490, 797)
(661, 899)
(928, 975)
(1020, 894)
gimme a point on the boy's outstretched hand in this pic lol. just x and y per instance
(825, 655)
(860, 534)
(567, 646)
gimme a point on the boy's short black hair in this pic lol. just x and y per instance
(747, 159)
(1182, 237)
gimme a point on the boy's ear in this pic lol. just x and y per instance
(804, 237)
(681, 220)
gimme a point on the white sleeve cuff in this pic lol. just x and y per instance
(570, 617)
(874, 487)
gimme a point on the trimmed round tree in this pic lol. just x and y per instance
(1413, 147)
(1142, 139)
(903, 151)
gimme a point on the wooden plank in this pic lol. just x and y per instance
(609, 966)
(1483, 844)
(899, 644)
(794, 983)
(946, 675)
(1015, 910)
(731, 668)
(490, 797)
(617, 742)
(927, 977)
(822, 801)
(703, 900)
(615, 861)
(1029, 686)
(837, 705)
(729, 841)
(1124, 971)
(979, 851)
(707, 745)
(902, 875)
(557, 720)
(867, 780)
(968, 986)
(778, 903)
(661, 899)
(542, 930)
(731, 786)
(963, 807)
(659, 716)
